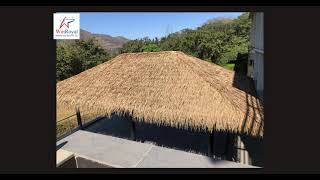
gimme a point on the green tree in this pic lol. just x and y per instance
(218, 41)
(152, 47)
(132, 46)
(77, 56)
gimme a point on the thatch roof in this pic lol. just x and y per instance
(168, 88)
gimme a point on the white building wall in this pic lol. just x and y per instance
(256, 72)
(256, 54)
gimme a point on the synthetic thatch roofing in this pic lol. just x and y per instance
(168, 88)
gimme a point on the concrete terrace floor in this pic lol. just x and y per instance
(123, 153)
(160, 135)
(174, 138)
(107, 142)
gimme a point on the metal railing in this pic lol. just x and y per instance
(74, 122)
(66, 125)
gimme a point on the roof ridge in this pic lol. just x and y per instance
(155, 52)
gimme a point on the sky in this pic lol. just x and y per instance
(133, 25)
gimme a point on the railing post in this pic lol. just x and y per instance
(79, 119)
(211, 144)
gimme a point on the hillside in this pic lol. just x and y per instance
(107, 42)
(220, 40)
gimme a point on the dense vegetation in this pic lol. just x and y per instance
(221, 41)
(78, 56)
(218, 41)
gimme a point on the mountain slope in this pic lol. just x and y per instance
(107, 42)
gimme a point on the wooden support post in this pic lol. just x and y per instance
(211, 144)
(239, 150)
(132, 129)
(227, 145)
(79, 119)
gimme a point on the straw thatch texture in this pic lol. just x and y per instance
(169, 88)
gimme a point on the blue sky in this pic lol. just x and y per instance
(134, 25)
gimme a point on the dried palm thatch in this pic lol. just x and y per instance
(168, 88)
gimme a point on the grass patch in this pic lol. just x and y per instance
(229, 66)
(66, 123)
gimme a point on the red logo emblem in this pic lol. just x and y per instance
(66, 22)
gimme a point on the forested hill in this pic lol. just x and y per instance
(218, 40)
(75, 56)
(107, 42)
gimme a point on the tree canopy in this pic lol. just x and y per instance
(218, 41)
(77, 56)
